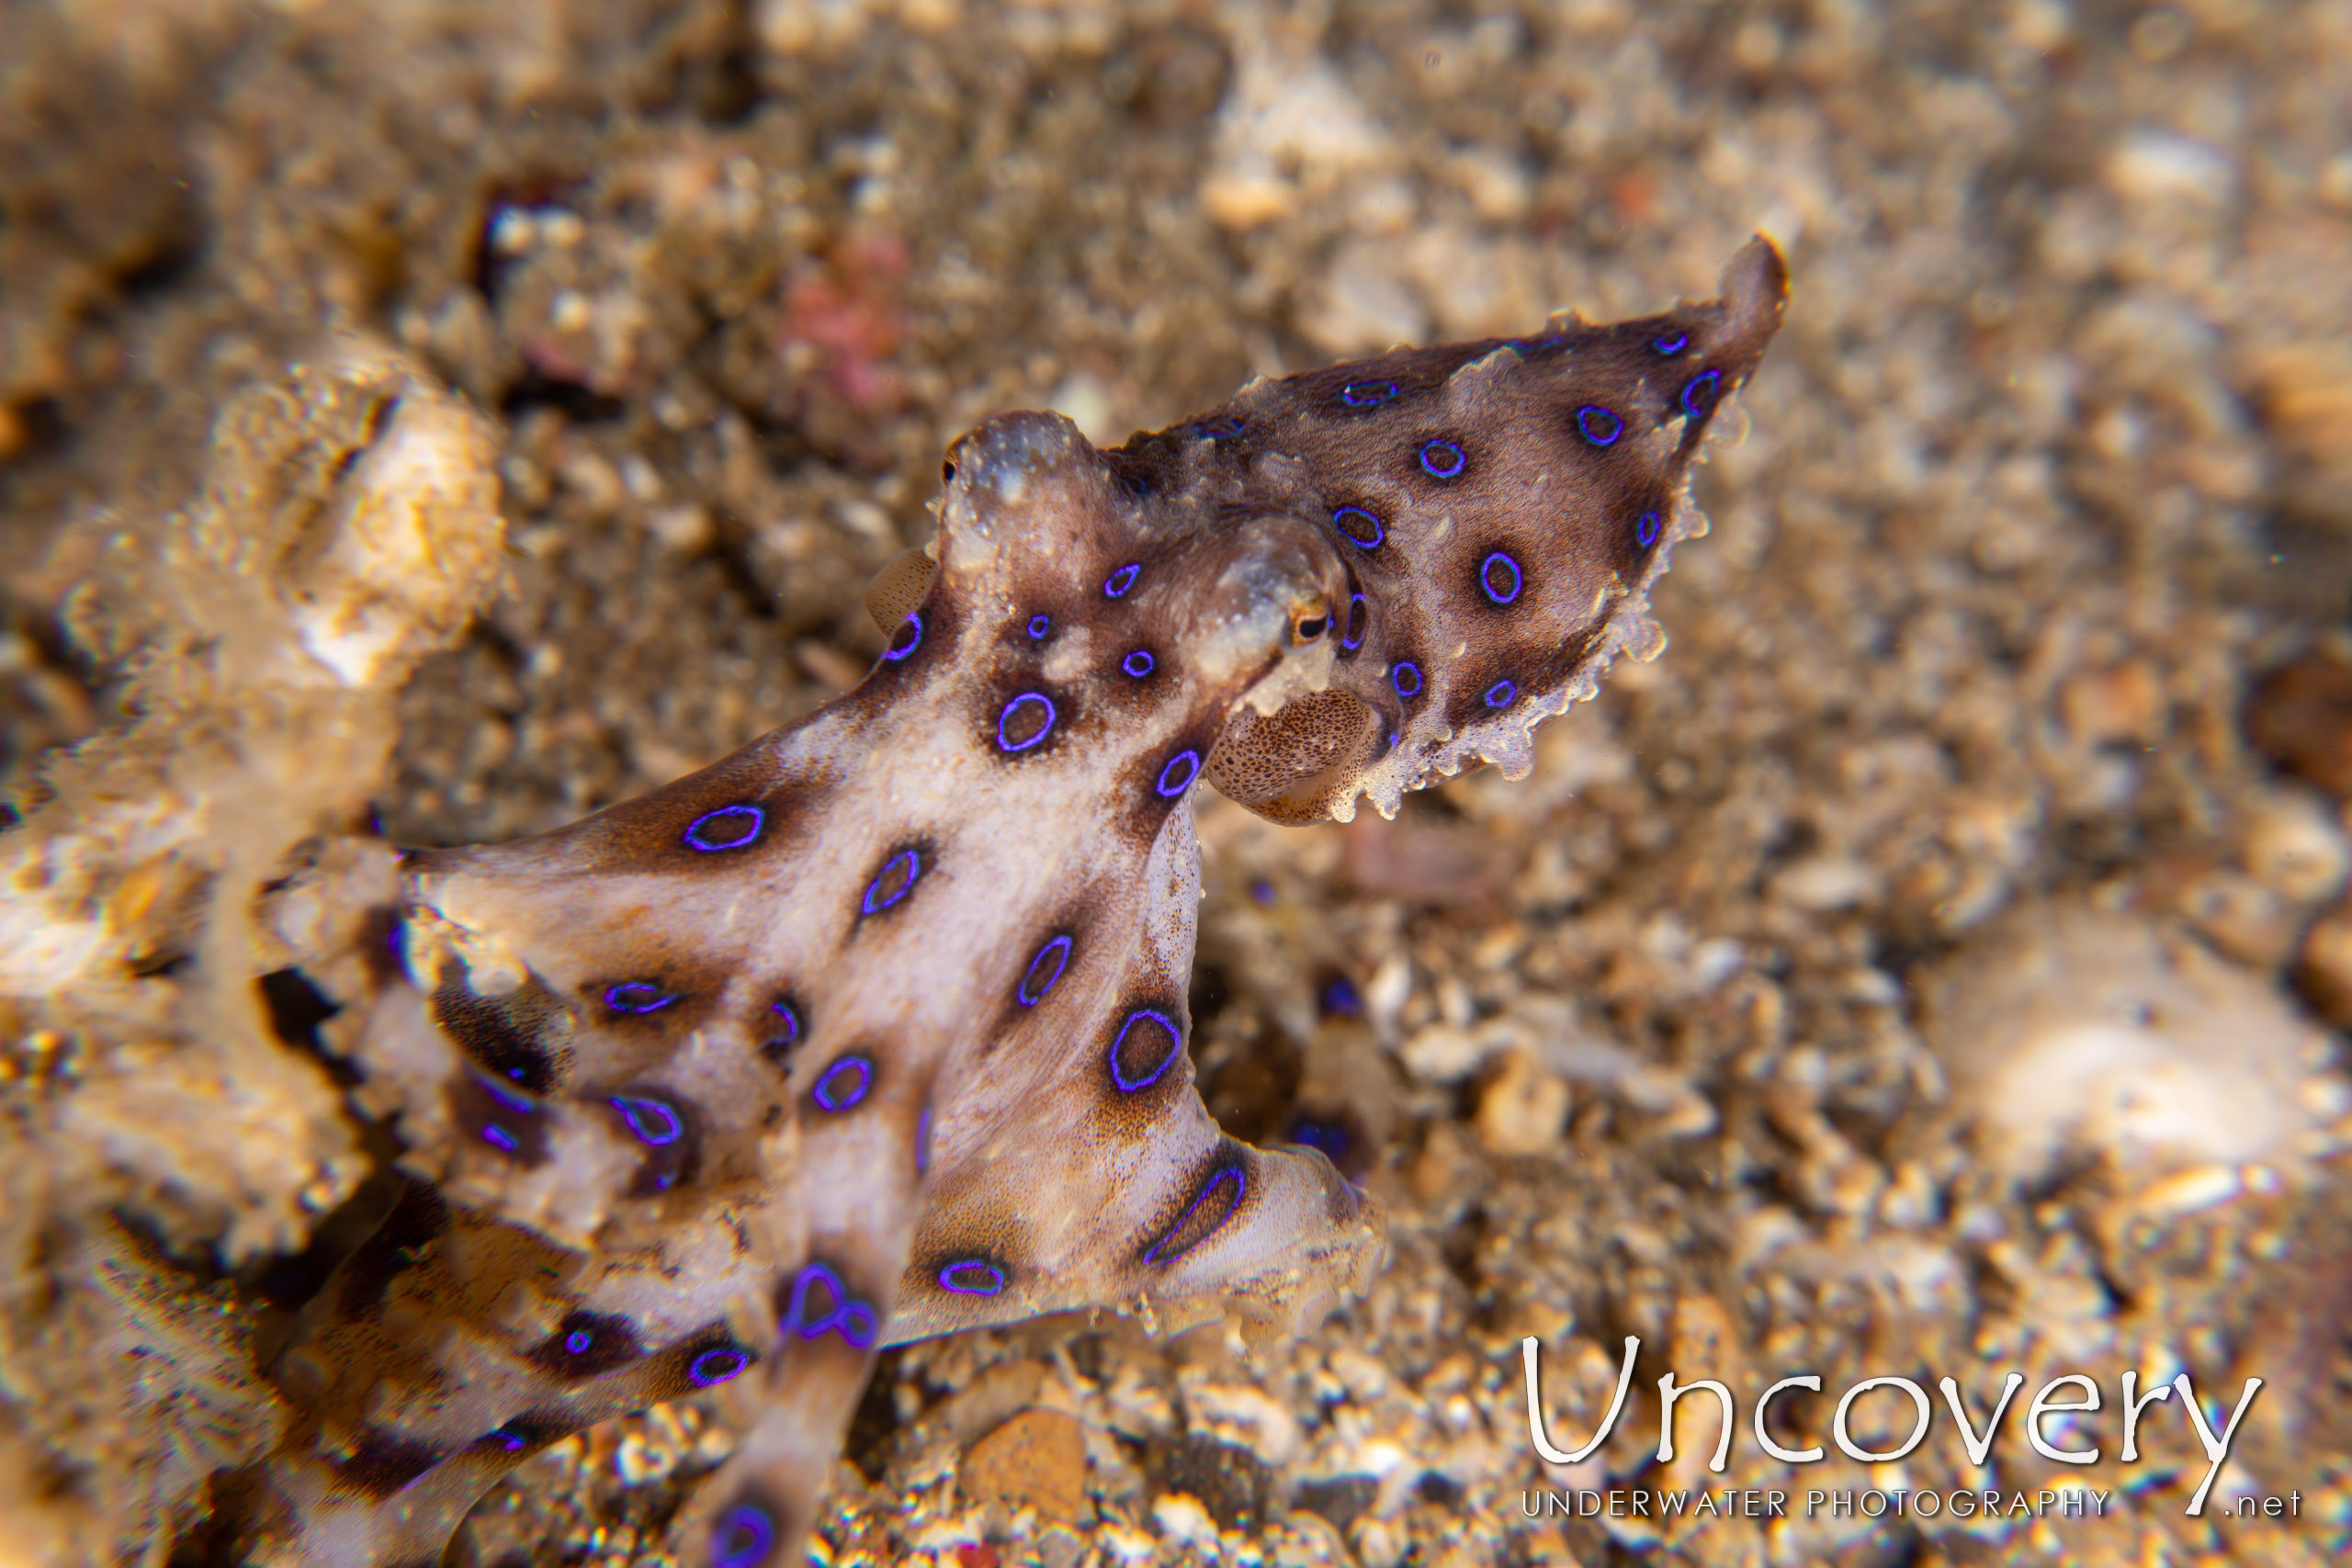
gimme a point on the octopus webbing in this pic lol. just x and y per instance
(877, 1029)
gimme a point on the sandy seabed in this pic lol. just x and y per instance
(1930, 968)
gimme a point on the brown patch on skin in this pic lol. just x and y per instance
(672, 1152)
(522, 1037)
(1147, 809)
(383, 1463)
(1002, 716)
(672, 1375)
(535, 1431)
(586, 1345)
(1128, 1114)
(695, 987)
(927, 1275)
(417, 1220)
(1220, 1192)
(783, 1035)
(502, 1118)
(895, 881)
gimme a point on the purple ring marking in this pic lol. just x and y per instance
(1698, 396)
(1646, 531)
(652, 1122)
(742, 1538)
(858, 1325)
(1600, 426)
(498, 1137)
(1354, 521)
(788, 1035)
(728, 828)
(1175, 1048)
(1407, 679)
(972, 1277)
(1357, 624)
(906, 640)
(509, 1099)
(1119, 582)
(795, 1315)
(1486, 577)
(1500, 694)
(1672, 343)
(880, 896)
(639, 995)
(512, 1442)
(1368, 394)
(1443, 460)
(714, 1367)
(1039, 626)
(1004, 741)
(1045, 971)
(576, 1343)
(844, 1083)
(923, 1141)
(1238, 1183)
(1181, 769)
(1138, 663)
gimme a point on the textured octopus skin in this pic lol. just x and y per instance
(876, 1029)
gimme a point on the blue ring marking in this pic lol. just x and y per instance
(742, 1538)
(1119, 582)
(652, 1122)
(795, 1315)
(900, 643)
(576, 1343)
(1646, 531)
(714, 1367)
(1240, 1188)
(1443, 460)
(1222, 428)
(858, 1325)
(1032, 990)
(1342, 521)
(512, 1442)
(523, 1105)
(638, 996)
(1698, 396)
(498, 1137)
(1356, 629)
(791, 1034)
(1500, 694)
(1600, 426)
(738, 826)
(1407, 679)
(923, 1141)
(912, 861)
(1672, 343)
(1138, 663)
(1175, 1049)
(1039, 626)
(1486, 577)
(989, 1281)
(1342, 997)
(1004, 742)
(1189, 761)
(1368, 394)
(834, 1094)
